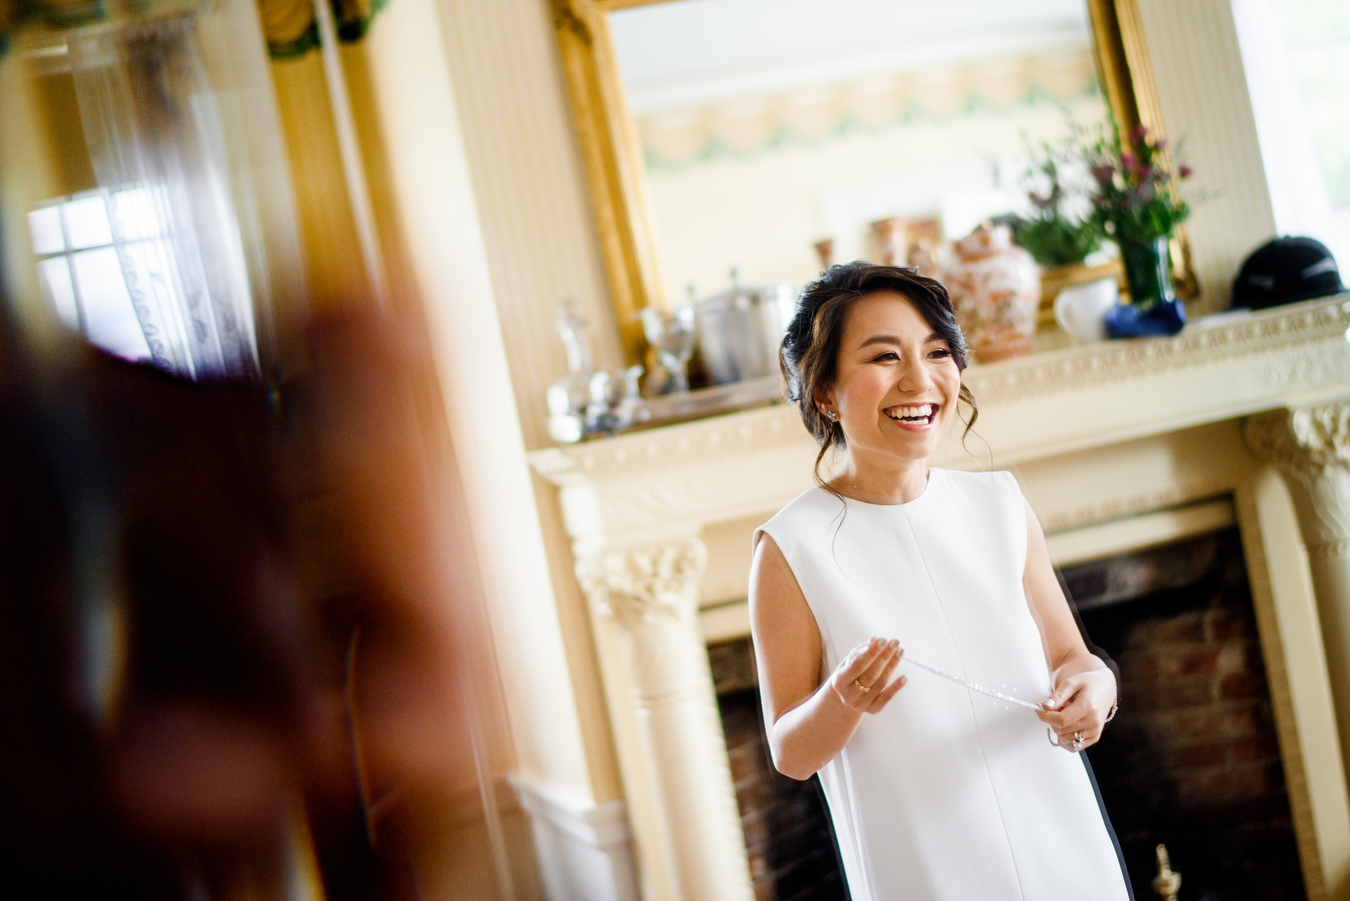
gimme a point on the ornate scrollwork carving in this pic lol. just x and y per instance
(1289, 348)
(1311, 446)
(1127, 360)
(644, 584)
(1305, 441)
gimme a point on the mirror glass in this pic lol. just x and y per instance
(768, 126)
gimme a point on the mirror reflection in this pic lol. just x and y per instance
(781, 134)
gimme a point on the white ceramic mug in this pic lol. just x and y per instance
(1079, 309)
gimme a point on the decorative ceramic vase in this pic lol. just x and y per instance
(995, 288)
(825, 250)
(889, 236)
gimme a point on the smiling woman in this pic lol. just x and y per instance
(830, 333)
(935, 792)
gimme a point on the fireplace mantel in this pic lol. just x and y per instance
(646, 485)
(1115, 443)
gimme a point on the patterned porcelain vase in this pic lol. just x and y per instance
(996, 289)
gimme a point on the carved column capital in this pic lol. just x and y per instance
(644, 584)
(651, 593)
(644, 601)
(1302, 441)
(1311, 447)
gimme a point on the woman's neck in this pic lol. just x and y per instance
(896, 484)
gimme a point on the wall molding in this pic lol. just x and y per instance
(585, 849)
(1275, 351)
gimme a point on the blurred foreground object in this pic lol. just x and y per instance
(234, 632)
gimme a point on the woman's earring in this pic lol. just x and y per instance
(830, 415)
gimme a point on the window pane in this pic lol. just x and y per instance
(110, 320)
(57, 289)
(87, 222)
(136, 215)
(44, 224)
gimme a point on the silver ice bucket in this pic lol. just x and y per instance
(739, 331)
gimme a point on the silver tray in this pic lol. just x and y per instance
(668, 409)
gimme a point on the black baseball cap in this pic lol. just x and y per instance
(1286, 270)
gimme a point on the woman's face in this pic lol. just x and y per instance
(896, 382)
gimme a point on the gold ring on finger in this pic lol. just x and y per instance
(861, 686)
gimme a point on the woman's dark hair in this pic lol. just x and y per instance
(809, 353)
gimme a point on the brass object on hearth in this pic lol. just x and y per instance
(1168, 882)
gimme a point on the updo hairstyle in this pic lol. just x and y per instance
(809, 354)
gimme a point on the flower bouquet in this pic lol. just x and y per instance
(1136, 203)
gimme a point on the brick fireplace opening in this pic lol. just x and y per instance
(1191, 760)
(788, 837)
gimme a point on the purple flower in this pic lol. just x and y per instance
(1184, 171)
(1138, 133)
(1045, 202)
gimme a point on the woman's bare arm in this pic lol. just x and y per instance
(808, 721)
(1084, 694)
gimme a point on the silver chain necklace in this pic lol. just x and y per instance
(975, 686)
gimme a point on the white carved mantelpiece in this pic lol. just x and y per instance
(1118, 445)
(644, 600)
(1311, 447)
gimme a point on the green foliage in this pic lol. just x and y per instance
(1054, 234)
(1057, 241)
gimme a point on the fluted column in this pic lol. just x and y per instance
(644, 603)
(1311, 448)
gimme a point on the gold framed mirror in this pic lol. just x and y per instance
(612, 155)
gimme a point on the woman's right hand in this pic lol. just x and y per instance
(861, 680)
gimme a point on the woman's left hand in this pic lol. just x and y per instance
(1078, 709)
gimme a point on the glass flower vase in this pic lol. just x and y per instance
(1153, 309)
(1148, 270)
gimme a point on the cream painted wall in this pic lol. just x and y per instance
(1202, 88)
(763, 211)
(433, 197)
(540, 248)
(536, 224)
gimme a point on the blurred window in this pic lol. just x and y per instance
(81, 272)
(1319, 53)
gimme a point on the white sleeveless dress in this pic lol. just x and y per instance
(946, 794)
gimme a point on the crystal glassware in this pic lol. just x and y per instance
(673, 337)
